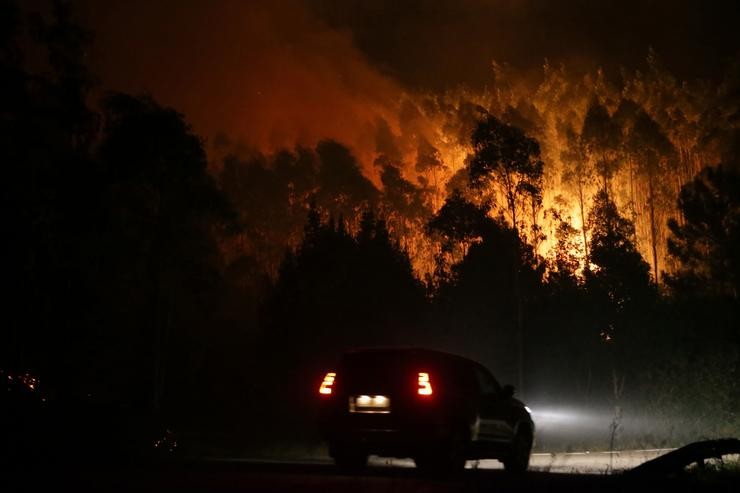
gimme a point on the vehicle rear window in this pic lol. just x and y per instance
(390, 370)
(376, 366)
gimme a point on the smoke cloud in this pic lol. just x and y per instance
(249, 75)
(268, 75)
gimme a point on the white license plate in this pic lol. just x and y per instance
(377, 404)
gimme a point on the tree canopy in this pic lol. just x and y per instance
(707, 240)
(510, 159)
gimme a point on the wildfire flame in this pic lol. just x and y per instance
(296, 81)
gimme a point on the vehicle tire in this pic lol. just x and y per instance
(518, 459)
(349, 460)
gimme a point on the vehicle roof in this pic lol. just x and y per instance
(410, 351)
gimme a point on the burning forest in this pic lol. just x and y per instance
(537, 187)
(639, 139)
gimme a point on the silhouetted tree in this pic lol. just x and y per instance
(620, 280)
(429, 164)
(17, 210)
(13, 80)
(707, 240)
(460, 223)
(524, 116)
(563, 318)
(624, 117)
(67, 45)
(601, 137)
(335, 291)
(49, 201)
(342, 188)
(164, 210)
(271, 199)
(335, 280)
(272, 195)
(404, 201)
(651, 149)
(511, 159)
(578, 176)
(619, 293)
(480, 299)
(568, 251)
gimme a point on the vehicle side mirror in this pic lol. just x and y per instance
(508, 391)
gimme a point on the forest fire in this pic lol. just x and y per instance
(551, 189)
(642, 134)
(641, 140)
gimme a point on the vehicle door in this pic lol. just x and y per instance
(494, 408)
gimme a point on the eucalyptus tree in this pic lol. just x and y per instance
(601, 138)
(707, 240)
(652, 152)
(510, 160)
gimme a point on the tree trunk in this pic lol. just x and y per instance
(535, 231)
(584, 229)
(519, 328)
(653, 226)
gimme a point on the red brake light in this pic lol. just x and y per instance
(425, 385)
(327, 384)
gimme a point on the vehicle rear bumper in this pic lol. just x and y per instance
(403, 441)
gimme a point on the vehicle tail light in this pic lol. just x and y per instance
(425, 385)
(328, 383)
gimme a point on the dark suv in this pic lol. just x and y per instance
(438, 408)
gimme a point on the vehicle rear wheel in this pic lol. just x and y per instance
(518, 458)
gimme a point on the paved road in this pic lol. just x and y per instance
(322, 477)
(576, 462)
(270, 477)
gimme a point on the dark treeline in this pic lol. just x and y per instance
(135, 275)
(112, 268)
